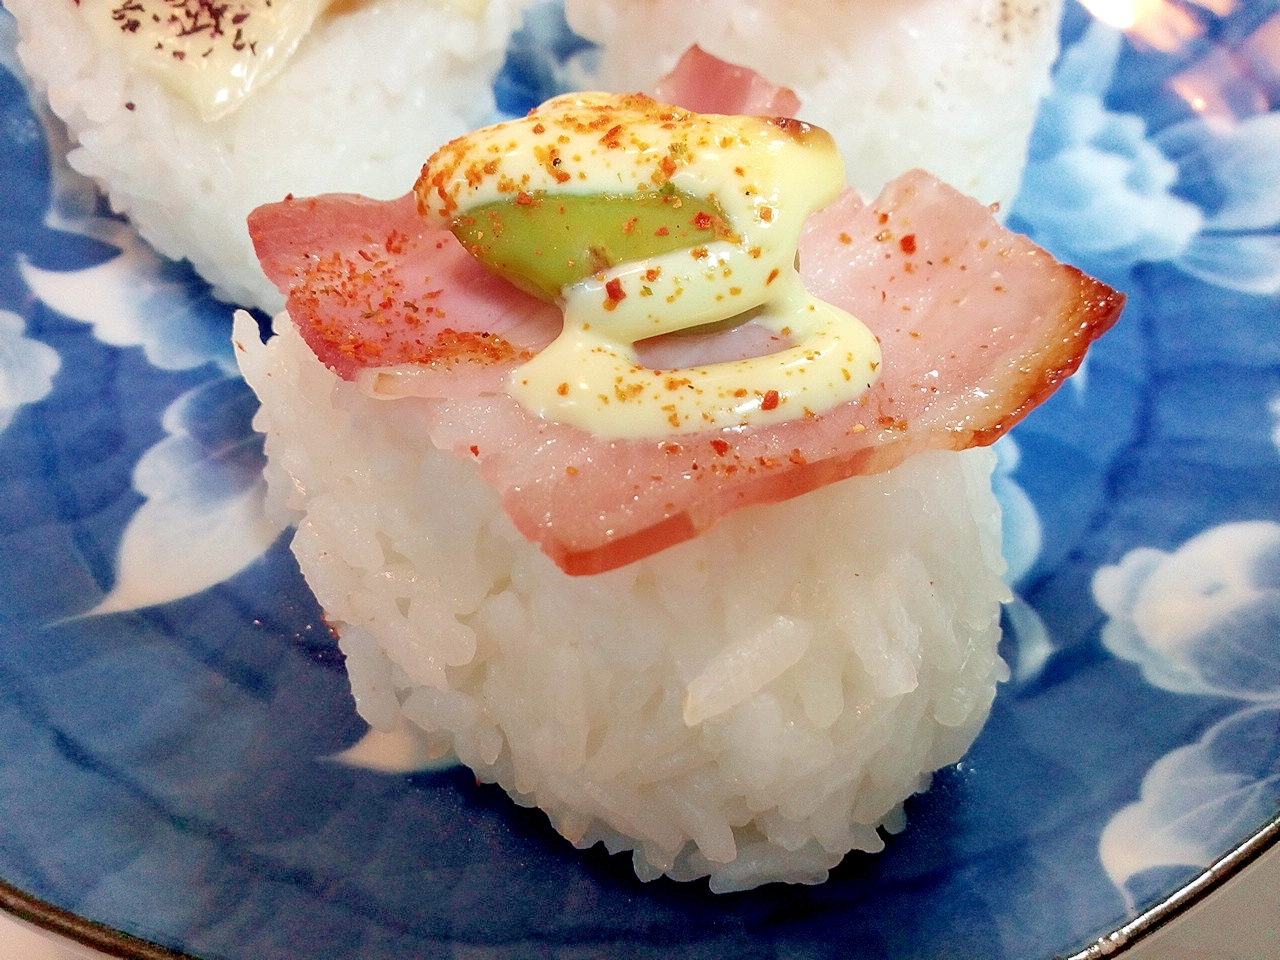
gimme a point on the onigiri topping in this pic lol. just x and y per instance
(646, 220)
(213, 53)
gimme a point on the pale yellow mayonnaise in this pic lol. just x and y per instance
(211, 54)
(766, 175)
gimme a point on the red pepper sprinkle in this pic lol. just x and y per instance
(770, 401)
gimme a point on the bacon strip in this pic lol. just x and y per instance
(371, 285)
(977, 326)
(706, 84)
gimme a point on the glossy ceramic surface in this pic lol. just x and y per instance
(171, 704)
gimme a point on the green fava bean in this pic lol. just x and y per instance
(544, 242)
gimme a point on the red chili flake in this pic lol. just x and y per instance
(475, 451)
(563, 389)
(797, 457)
(845, 238)
(539, 127)
(703, 220)
(524, 199)
(908, 243)
(773, 275)
(770, 401)
(721, 447)
(884, 218)
(661, 232)
(394, 244)
(614, 289)
(613, 138)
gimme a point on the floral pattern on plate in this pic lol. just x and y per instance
(180, 756)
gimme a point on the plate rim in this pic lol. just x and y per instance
(117, 943)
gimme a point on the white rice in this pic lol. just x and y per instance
(748, 706)
(413, 74)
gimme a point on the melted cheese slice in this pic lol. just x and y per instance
(211, 54)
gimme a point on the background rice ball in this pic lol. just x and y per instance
(946, 85)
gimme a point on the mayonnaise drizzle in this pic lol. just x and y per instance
(767, 175)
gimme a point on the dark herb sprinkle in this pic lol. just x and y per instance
(214, 21)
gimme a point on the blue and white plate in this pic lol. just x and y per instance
(176, 732)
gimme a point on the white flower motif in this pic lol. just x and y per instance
(1197, 801)
(203, 519)
(1203, 619)
(1023, 534)
(139, 299)
(1275, 412)
(27, 367)
(1095, 184)
(1240, 166)
(1111, 194)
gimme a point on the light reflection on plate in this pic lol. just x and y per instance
(179, 756)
